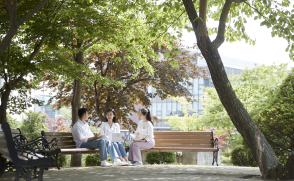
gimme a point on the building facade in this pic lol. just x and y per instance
(161, 108)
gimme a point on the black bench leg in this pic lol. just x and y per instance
(41, 172)
(57, 161)
(17, 172)
(215, 158)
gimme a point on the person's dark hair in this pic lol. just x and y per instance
(81, 112)
(146, 112)
(111, 110)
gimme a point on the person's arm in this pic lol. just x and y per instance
(149, 132)
(103, 130)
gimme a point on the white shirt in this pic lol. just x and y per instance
(81, 132)
(106, 130)
(145, 128)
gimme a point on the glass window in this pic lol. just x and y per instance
(174, 106)
(163, 110)
(195, 107)
(153, 109)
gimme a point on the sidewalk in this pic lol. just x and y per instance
(155, 172)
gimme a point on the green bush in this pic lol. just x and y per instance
(93, 160)
(240, 156)
(34, 124)
(161, 157)
(62, 161)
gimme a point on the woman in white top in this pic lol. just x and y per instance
(109, 127)
(145, 129)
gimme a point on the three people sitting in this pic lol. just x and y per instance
(84, 138)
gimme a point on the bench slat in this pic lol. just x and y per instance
(49, 138)
(174, 149)
(182, 133)
(184, 141)
(49, 134)
(79, 151)
(184, 145)
(181, 137)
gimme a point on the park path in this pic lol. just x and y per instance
(155, 172)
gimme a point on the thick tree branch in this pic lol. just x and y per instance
(202, 30)
(192, 14)
(32, 12)
(14, 14)
(220, 38)
(9, 7)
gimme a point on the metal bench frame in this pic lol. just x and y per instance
(24, 154)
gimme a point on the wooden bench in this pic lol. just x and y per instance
(23, 154)
(62, 143)
(172, 141)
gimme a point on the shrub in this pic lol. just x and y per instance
(93, 160)
(240, 156)
(34, 124)
(62, 161)
(161, 157)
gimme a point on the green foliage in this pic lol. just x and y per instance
(66, 112)
(254, 87)
(34, 124)
(93, 160)
(12, 122)
(161, 157)
(276, 120)
(241, 156)
(62, 161)
(188, 122)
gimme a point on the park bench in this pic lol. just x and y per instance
(174, 141)
(62, 143)
(23, 154)
(168, 141)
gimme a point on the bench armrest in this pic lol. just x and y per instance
(215, 143)
(29, 149)
(52, 146)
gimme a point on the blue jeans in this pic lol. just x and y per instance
(120, 149)
(99, 143)
(111, 150)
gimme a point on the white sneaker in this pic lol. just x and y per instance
(118, 162)
(129, 163)
(138, 164)
(105, 164)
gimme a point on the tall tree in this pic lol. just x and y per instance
(166, 79)
(20, 68)
(273, 13)
(18, 13)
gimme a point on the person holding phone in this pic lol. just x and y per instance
(145, 127)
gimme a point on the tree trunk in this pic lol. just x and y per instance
(7, 39)
(3, 107)
(75, 106)
(264, 155)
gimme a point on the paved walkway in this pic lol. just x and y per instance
(154, 172)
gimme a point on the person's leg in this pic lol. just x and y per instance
(99, 143)
(111, 150)
(122, 151)
(116, 147)
(131, 151)
(136, 150)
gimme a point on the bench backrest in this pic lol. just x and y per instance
(197, 139)
(162, 139)
(3, 146)
(65, 139)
